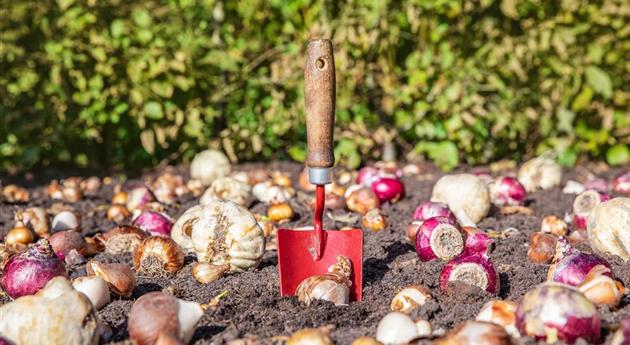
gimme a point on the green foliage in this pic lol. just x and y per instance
(127, 84)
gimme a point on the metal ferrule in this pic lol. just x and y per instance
(320, 175)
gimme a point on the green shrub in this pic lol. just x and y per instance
(126, 84)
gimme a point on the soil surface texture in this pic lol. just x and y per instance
(253, 307)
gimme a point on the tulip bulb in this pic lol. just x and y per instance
(622, 335)
(19, 236)
(117, 213)
(227, 234)
(120, 198)
(94, 288)
(120, 278)
(396, 328)
(554, 225)
(600, 288)
(465, 194)
(66, 220)
(309, 336)
(476, 333)
(332, 287)
(158, 315)
(374, 220)
(227, 188)
(34, 218)
(205, 273)
(365, 341)
(542, 247)
(57, 314)
(158, 255)
(15, 194)
(502, 313)
(280, 212)
(609, 228)
(410, 298)
(122, 239)
(361, 199)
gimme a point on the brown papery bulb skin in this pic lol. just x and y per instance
(151, 315)
(600, 288)
(118, 213)
(34, 218)
(120, 278)
(362, 200)
(122, 239)
(502, 313)
(365, 341)
(157, 255)
(476, 333)
(205, 273)
(280, 212)
(374, 220)
(19, 236)
(554, 225)
(542, 248)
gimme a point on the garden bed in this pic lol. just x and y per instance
(253, 307)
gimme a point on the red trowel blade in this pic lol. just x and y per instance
(296, 263)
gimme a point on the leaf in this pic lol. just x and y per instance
(147, 138)
(153, 110)
(444, 154)
(599, 81)
(618, 154)
(298, 153)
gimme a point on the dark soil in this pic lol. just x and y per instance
(253, 307)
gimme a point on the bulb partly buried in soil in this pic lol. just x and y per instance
(476, 270)
(439, 237)
(333, 286)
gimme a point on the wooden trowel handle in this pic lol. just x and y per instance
(319, 99)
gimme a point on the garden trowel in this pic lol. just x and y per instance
(304, 253)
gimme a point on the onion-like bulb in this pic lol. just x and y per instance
(155, 223)
(396, 328)
(622, 335)
(609, 228)
(158, 315)
(388, 189)
(94, 288)
(410, 298)
(139, 198)
(122, 239)
(57, 314)
(333, 286)
(158, 255)
(28, 272)
(430, 209)
(476, 270)
(227, 188)
(507, 190)
(225, 233)
(572, 266)
(34, 218)
(310, 336)
(476, 333)
(554, 312)
(66, 220)
(439, 237)
(600, 288)
(465, 194)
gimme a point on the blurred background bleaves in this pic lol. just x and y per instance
(127, 84)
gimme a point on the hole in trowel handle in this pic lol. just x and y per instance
(320, 63)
